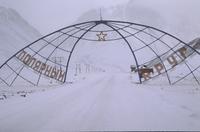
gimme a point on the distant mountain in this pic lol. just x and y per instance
(180, 19)
(126, 12)
(15, 33)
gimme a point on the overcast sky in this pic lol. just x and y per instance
(55, 13)
(49, 15)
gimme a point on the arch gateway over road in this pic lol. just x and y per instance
(156, 54)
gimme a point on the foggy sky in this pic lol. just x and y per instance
(49, 15)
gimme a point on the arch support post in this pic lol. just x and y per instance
(134, 56)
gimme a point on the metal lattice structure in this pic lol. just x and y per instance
(162, 54)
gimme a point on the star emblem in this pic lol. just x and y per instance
(101, 36)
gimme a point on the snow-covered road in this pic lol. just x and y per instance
(102, 102)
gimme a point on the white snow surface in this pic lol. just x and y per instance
(102, 102)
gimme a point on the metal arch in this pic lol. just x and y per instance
(97, 23)
(70, 55)
(137, 65)
(105, 21)
(102, 21)
(152, 51)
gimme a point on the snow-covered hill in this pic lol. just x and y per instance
(15, 33)
(94, 102)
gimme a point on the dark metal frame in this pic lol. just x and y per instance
(87, 27)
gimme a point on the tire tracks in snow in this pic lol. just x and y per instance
(49, 108)
(78, 106)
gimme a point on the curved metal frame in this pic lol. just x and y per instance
(136, 61)
(87, 27)
(166, 71)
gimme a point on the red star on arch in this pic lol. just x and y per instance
(101, 36)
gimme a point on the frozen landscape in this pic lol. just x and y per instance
(103, 102)
(101, 93)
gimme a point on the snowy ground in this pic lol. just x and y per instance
(103, 102)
